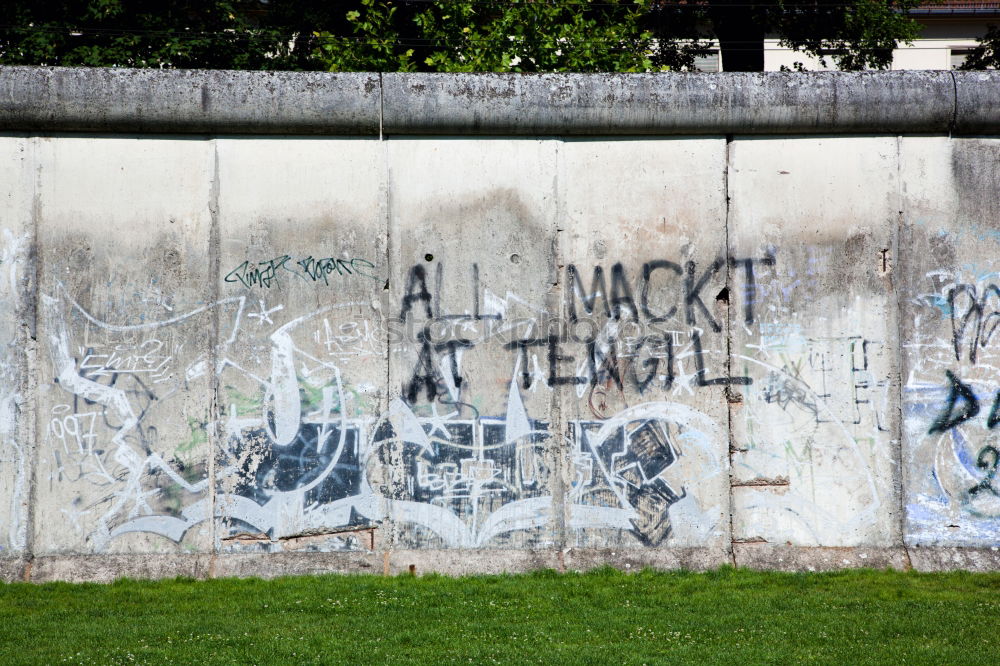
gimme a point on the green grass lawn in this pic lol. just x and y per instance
(604, 617)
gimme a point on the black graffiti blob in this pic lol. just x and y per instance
(948, 419)
(983, 462)
(994, 418)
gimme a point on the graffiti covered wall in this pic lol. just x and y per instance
(489, 353)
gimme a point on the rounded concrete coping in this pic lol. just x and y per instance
(85, 99)
(55, 99)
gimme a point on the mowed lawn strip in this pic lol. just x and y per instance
(721, 617)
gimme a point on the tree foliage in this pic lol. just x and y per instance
(855, 34)
(447, 35)
(987, 54)
(121, 33)
(503, 36)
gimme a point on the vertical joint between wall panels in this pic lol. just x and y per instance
(31, 426)
(381, 106)
(954, 105)
(385, 543)
(215, 434)
(897, 249)
(559, 426)
(729, 392)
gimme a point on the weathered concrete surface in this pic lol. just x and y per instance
(109, 567)
(673, 104)
(82, 99)
(815, 455)
(951, 368)
(123, 231)
(467, 562)
(17, 424)
(14, 569)
(473, 271)
(625, 304)
(248, 355)
(106, 568)
(122, 100)
(636, 559)
(273, 565)
(793, 558)
(301, 359)
(977, 100)
(955, 559)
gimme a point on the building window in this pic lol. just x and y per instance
(958, 56)
(706, 63)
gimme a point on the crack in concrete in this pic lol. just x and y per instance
(216, 434)
(32, 426)
(730, 396)
(761, 481)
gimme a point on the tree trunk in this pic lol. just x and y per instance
(740, 29)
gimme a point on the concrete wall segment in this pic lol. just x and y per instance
(286, 354)
(816, 430)
(18, 171)
(950, 366)
(305, 365)
(639, 345)
(480, 235)
(123, 244)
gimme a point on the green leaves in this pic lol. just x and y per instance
(856, 35)
(448, 35)
(987, 54)
(118, 33)
(374, 45)
(495, 36)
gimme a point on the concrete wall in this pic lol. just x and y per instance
(407, 321)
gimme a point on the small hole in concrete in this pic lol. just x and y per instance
(428, 257)
(515, 258)
(723, 296)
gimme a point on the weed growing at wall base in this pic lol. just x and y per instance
(723, 617)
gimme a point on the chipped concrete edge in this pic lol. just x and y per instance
(67, 99)
(105, 568)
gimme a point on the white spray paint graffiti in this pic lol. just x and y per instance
(298, 465)
(13, 453)
(304, 454)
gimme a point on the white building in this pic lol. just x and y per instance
(950, 30)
